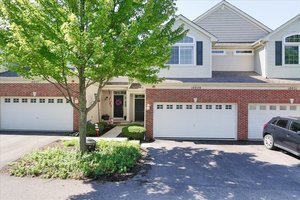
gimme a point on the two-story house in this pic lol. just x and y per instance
(227, 77)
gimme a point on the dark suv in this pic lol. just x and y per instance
(283, 132)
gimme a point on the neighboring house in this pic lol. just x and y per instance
(227, 77)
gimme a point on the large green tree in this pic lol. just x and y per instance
(91, 40)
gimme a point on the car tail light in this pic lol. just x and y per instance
(266, 125)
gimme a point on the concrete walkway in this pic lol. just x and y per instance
(113, 133)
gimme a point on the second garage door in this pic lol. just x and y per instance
(40, 114)
(195, 120)
(259, 114)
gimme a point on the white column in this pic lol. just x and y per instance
(127, 105)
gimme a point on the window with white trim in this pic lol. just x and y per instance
(208, 107)
(24, 100)
(218, 107)
(189, 107)
(42, 101)
(169, 107)
(198, 107)
(16, 100)
(32, 100)
(291, 47)
(228, 107)
(60, 100)
(218, 52)
(50, 100)
(243, 52)
(160, 107)
(7, 100)
(178, 107)
(183, 52)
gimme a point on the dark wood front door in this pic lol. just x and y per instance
(118, 106)
(139, 109)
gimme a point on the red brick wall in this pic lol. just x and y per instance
(41, 89)
(241, 97)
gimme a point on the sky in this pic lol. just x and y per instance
(272, 13)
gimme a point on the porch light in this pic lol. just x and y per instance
(148, 106)
(195, 100)
(76, 100)
(34, 94)
(291, 101)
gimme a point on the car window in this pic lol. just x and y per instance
(282, 123)
(274, 121)
(295, 126)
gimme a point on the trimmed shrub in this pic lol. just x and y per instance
(90, 129)
(134, 132)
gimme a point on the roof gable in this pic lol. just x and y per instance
(196, 27)
(282, 27)
(230, 24)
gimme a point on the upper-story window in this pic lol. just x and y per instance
(183, 52)
(291, 50)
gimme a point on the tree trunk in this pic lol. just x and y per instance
(82, 115)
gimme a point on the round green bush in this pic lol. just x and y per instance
(91, 130)
(134, 132)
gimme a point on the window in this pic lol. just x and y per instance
(282, 123)
(228, 107)
(50, 100)
(243, 52)
(7, 100)
(282, 108)
(208, 107)
(24, 100)
(178, 106)
(295, 126)
(272, 107)
(32, 100)
(42, 100)
(183, 52)
(262, 107)
(16, 100)
(293, 107)
(189, 107)
(252, 107)
(198, 107)
(218, 107)
(169, 107)
(217, 52)
(60, 100)
(291, 50)
(160, 107)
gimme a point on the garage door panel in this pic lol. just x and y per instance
(42, 114)
(259, 114)
(197, 122)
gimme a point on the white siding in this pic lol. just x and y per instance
(195, 71)
(260, 61)
(90, 97)
(231, 62)
(281, 71)
(229, 26)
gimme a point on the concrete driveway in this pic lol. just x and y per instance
(181, 170)
(14, 145)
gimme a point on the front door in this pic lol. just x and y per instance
(139, 109)
(118, 106)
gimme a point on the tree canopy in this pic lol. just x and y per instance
(91, 40)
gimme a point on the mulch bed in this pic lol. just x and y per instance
(113, 178)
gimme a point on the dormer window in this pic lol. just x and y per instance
(291, 50)
(183, 52)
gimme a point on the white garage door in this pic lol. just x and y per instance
(195, 120)
(29, 113)
(259, 114)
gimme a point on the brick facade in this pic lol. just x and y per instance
(41, 89)
(241, 97)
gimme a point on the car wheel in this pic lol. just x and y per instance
(269, 141)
